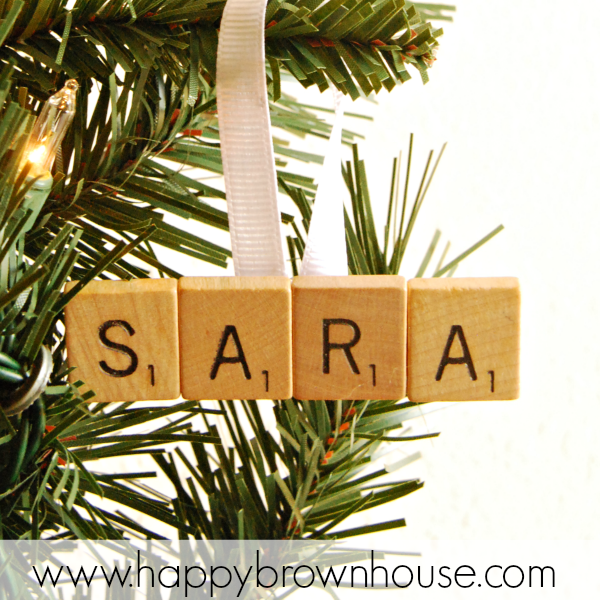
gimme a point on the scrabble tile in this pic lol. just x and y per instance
(463, 339)
(235, 337)
(349, 337)
(122, 337)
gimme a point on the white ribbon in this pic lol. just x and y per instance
(249, 164)
(325, 252)
(246, 142)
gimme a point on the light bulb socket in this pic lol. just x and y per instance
(36, 197)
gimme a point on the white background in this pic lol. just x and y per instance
(515, 93)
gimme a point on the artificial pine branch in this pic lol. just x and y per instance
(43, 477)
(153, 64)
(363, 35)
(119, 172)
(366, 255)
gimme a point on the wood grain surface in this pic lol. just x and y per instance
(463, 339)
(235, 337)
(122, 337)
(349, 337)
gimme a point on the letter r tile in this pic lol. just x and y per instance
(463, 339)
(235, 337)
(349, 337)
(122, 337)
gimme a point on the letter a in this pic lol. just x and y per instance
(465, 359)
(230, 330)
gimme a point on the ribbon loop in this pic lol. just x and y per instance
(325, 252)
(246, 142)
(249, 163)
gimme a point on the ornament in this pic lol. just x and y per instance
(327, 338)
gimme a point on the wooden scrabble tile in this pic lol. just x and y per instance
(463, 339)
(122, 337)
(349, 337)
(235, 337)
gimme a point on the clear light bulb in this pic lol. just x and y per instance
(51, 125)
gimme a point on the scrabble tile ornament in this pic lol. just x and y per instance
(122, 337)
(349, 337)
(463, 339)
(235, 337)
(320, 338)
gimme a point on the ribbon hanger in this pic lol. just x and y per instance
(249, 164)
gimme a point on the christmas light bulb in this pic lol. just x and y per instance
(37, 155)
(48, 133)
(51, 125)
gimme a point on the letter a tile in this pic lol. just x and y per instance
(235, 337)
(463, 339)
(122, 337)
(349, 337)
